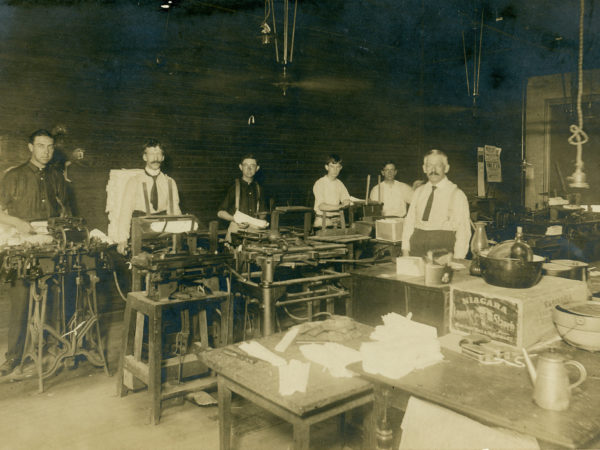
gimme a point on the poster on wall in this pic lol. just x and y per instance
(492, 164)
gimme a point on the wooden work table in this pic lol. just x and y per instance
(496, 395)
(258, 382)
(378, 290)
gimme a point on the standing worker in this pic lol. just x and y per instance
(245, 196)
(32, 191)
(395, 195)
(151, 192)
(438, 217)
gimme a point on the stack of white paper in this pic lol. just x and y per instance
(399, 347)
(240, 217)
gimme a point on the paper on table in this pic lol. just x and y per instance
(240, 217)
(257, 350)
(334, 357)
(293, 377)
(287, 339)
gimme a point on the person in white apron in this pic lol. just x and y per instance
(245, 196)
(438, 217)
(150, 192)
(330, 194)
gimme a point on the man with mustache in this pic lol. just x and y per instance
(150, 192)
(438, 217)
(32, 191)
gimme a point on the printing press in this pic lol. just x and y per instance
(167, 259)
(172, 260)
(63, 258)
(291, 269)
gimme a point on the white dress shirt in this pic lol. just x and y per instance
(134, 200)
(395, 196)
(328, 191)
(449, 211)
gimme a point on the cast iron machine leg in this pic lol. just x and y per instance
(268, 271)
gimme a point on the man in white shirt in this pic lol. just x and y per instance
(330, 193)
(438, 217)
(151, 192)
(396, 196)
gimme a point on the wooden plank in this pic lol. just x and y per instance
(170, 390)
(138, 369)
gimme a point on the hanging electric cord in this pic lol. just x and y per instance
(466, 66)
(287, 49)
(578, 136)
(274, 30)
(117, 285)
(476, 61)
(306, 318)
(293, 32)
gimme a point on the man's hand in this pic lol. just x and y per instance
(122, 247)
(346, 202)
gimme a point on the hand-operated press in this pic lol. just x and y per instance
(181, 288)
(68, 256)
(311, 276)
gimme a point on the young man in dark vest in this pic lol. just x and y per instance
(245, 196)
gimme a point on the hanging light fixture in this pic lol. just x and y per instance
(266, 34)
(578, 136)
(288, 41)
(477, 45)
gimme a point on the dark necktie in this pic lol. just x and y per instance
(153, 191)
(428, 205)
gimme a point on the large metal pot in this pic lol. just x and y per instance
(577, 270)
(510, 272)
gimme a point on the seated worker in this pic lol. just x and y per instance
(396, 196)
(438, 217)
(330, 193)
(32, 191)
(245, 196)
(151, 192)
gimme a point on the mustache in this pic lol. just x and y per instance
(433, 172)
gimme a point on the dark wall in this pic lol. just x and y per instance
(114, 75)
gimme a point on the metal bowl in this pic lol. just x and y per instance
(579, 325)
(510, 272)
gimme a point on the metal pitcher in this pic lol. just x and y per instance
(551, 380)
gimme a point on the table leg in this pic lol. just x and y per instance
(127, 335)
(224, 396)
(369, 441)
(301, 436)
(383, 428)
(154, 363)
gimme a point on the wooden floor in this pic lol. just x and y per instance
(80, 410)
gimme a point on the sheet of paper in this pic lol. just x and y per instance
(240, 217)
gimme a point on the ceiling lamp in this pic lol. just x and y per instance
(288, 41)
(578, 136)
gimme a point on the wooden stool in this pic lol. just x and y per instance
(131, 366)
